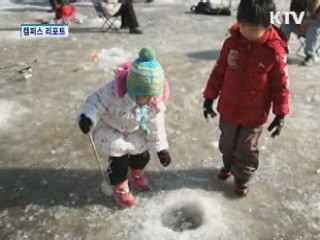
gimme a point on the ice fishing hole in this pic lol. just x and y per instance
(183, 217)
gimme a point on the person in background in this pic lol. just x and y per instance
(53, 4)
(124, 9)
(310, 28)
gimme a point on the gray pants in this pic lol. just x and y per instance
(312, 36)
(239, 147)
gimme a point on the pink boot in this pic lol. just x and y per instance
(123, 195)
(139, 180)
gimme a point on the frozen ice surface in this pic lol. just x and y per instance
(49, 180)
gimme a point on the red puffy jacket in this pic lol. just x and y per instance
(65, 11)
(250, 77)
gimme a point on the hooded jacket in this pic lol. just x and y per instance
(250, 77)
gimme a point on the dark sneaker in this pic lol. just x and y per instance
(135, 31)
(241, 190)
(240, 187)
(224, 174)
(308, 61)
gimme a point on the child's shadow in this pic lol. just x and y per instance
(47, 187)
(199, 178)
(76, 188)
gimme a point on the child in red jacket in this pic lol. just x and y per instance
(249, 78)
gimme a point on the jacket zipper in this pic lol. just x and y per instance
(243, 79)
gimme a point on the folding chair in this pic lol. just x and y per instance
(108, 22)
(302, 41)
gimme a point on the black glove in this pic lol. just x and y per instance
(164, 157)
(207, 109)
(277, 124)
(85, 123)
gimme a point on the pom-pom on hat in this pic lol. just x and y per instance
(145, 77)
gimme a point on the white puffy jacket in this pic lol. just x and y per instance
(116, 123)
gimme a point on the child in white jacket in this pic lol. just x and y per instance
(127, 118)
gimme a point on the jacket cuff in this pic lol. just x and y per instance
(282, 110)
(209, 94)
(157, 147)
(91, 112)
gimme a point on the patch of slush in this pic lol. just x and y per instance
(279, 3)
(26, 1)
(6, 3)
(8, 110)
(110, 58)
(94, 22)
(13, 35)
(183, 1)
(182, 214)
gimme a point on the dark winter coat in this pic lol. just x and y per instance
(250, 77)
